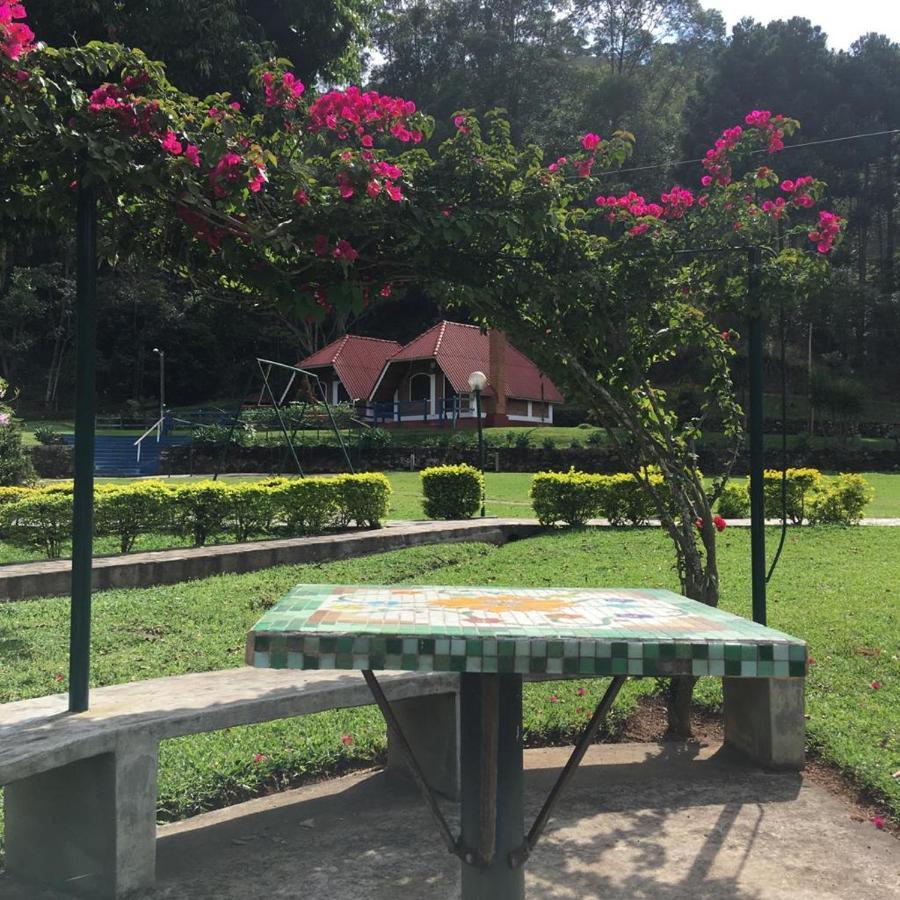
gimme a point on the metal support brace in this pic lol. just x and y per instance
(483, 855)
(518, 857)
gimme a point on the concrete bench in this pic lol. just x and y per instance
(80, 795)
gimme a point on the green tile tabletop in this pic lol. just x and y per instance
(506, 630)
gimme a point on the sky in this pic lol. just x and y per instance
(842, 20)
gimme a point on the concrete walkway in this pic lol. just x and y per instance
(661, 822)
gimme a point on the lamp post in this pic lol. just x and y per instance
(477, 382)
(162, 380)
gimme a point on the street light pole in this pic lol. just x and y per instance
(162, 381)
(477, 382)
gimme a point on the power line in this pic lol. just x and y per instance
(689, 162)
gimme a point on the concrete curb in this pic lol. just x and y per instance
(25, 581)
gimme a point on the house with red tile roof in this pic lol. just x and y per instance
(426, 382)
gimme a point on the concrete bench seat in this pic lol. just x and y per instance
(80, 795)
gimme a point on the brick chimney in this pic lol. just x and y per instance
(497, 375)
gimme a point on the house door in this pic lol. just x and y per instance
(421, 388)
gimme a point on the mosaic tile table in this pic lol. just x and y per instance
(493, 637)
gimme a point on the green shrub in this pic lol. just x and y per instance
(800, 484)
(625, 501)
(252, 508)
(12, 494)
(734, 501)
(571, 497)
(45, 434)
(42, 519)
(15, 460)
(364, 499)
(595, 438)
(841, 501)
(452, 492)
(132, 510)
(575, 444)
(200, 509)
(309, 505)
(523, 440)
(373, 438)
(548, 443)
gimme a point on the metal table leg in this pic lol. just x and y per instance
(491, 791)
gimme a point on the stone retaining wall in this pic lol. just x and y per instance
(24, 581)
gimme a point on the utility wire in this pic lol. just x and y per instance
(690, 162)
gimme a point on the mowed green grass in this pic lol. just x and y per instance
(835, 587)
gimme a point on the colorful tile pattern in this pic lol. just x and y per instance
(553, 631)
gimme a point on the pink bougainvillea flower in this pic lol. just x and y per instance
(393, 191)
(590, 141)
(638, 229)
(386, 290)
(345, 185)
(346, 740)
(345, 252)
(192, 155)
(320, 245)
(726, 335)
(301, 197)
(878, 822)
(720, 523)
(373, 188)
(235, 106)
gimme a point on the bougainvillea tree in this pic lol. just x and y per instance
(321, 202)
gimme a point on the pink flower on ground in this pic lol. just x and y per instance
(581, 692)
(346, 740)
(878, 822)
(259, 757)
(554, 698)
(875, 685)
(59, 677)
(590, 141)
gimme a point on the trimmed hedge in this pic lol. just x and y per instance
(452, 492)
(574, 497)
(42, 517)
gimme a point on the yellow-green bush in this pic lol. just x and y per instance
(571, 497)
(364, 499)
(253, 507)
(41, 519)
(841, 501)
(12, 494)
(800, 484)
(734, 501)
(308, 505)
(452, 492)
(128, 511)
(200, 509)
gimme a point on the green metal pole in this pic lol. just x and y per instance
(85, 411)
(757, 503)
(499, 780)
(480, 445)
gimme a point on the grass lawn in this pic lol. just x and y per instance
(835, 587)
